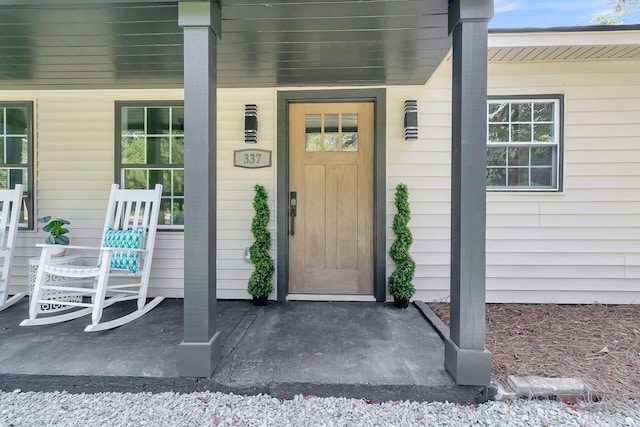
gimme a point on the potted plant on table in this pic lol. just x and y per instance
(57, 230)
(400, 285)
(261, 280)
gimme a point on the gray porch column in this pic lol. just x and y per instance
(199, 353)
(466, 358)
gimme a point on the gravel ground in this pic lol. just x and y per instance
(216, 409)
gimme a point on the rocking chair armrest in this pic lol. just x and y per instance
(46, 245)
(95, 248)
(108, 248)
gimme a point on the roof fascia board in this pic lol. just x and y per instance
(572, 38)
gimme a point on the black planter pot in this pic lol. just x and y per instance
(401, 303)
(260, 301)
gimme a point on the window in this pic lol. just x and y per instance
(524, 143)
(150, 151)
(331, 132)
(16, 153)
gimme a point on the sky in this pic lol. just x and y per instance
(549, 13)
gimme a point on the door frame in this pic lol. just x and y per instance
(379, 98)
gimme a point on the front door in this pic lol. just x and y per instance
(331, 179)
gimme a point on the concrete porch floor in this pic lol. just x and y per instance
(351, 349)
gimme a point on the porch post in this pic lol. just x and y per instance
(466, 358)
(199, 353)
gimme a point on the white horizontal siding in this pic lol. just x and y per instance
(236, 185)
(425, 166)
(74, 145)
(580, 245)
(74, 139)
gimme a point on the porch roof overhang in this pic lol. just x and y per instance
(88, 44)
(596, 42)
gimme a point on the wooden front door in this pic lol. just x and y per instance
(331, 176)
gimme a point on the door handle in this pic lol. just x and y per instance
(293, 211)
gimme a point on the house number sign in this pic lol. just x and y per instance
(252, 158)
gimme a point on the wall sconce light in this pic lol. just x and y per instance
(251, 123)
(410, 120)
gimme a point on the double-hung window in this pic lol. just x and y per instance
(524, 143)
(16, 153)
(150, 151)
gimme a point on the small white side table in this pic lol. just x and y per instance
(59, 281)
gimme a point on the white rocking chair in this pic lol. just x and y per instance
(10, 211)
(128, 239)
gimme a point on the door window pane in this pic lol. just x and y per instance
(349, 132)
(331, 132)
(312, 132)
(331, 122)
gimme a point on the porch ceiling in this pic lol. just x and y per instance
(58, 44)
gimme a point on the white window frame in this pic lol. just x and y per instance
(556, 144)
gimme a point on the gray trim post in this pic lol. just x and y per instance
(466, 358)
(199, 353)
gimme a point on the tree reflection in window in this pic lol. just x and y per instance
(522, 143)
(152, 152)
(16, 162)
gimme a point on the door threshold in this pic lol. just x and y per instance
(330, 297)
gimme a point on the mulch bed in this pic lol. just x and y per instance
(598, 344)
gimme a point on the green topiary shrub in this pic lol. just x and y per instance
(400, 285)
(260, 282)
